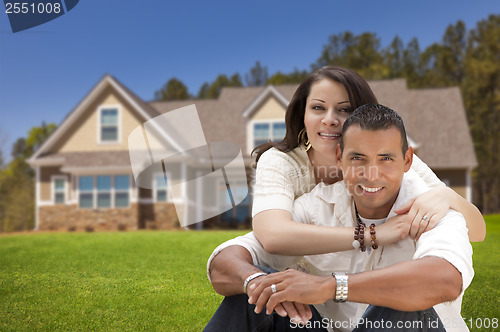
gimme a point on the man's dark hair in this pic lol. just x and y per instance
(375, 117)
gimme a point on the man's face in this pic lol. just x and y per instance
(373, 166)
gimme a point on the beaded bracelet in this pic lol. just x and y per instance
(359, 237)
(373, 236)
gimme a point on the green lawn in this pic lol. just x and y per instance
(148, 280)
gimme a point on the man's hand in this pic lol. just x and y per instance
(298, 313)
(291, 286)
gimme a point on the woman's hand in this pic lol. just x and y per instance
(427, 209)
(392, 230)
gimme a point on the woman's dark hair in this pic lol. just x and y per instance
(357, 88)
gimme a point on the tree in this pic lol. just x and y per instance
(257, 76)
(174, 89)
(202, 93)
(17, 186)
(295, 77)
(481, 91)
(213, 90)
(411, 59)
(442, 64)
(360, 53)
(394, 58)
(3, 140)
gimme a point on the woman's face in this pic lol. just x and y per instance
(327, 108)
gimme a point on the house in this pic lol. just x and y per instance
(84, 178)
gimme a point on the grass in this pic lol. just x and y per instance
(482, 298)
(149, 280)
(107, 281)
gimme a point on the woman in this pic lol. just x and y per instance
(306, 157)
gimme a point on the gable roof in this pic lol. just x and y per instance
(142, 108)
(269, 91)
(435, 119)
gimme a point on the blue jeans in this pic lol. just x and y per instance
(386, 319)
(236, 314)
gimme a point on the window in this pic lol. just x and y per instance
(160, 188)
(241, 212)
(59, 187)
(109, 125)
(265, 131)
(86, 189)
(104, 191)
(122, 186)
(261, 133)
(279, 130)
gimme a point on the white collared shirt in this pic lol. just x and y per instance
(332, 205)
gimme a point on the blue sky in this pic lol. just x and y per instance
(45, 71)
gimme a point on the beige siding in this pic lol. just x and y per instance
(455, 179)
(462, 191)
(46, 174)
(83, 135)
(270, 109)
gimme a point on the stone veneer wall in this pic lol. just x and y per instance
(72, 218)
(158, 216)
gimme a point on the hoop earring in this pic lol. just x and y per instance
(301, 141)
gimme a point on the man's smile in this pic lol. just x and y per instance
(370, 190)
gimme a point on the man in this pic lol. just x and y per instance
(401, 281)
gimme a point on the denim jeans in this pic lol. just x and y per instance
(236, 314)
(386, 319)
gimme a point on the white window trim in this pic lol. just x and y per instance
(155, 196)
(119, 124)
(37, 193)
(53, 179)
(250, 125)
(468, 185)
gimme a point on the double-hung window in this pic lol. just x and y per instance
(263, 132)
(160, 188)
(86, 192)
(122, 185)
(109, 125)
(104, 191)
(59, 187)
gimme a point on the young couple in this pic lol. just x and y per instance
(417, 254)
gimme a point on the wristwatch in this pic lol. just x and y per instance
(341, 292)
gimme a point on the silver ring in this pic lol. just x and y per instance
(273, 288)
(426, 218)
